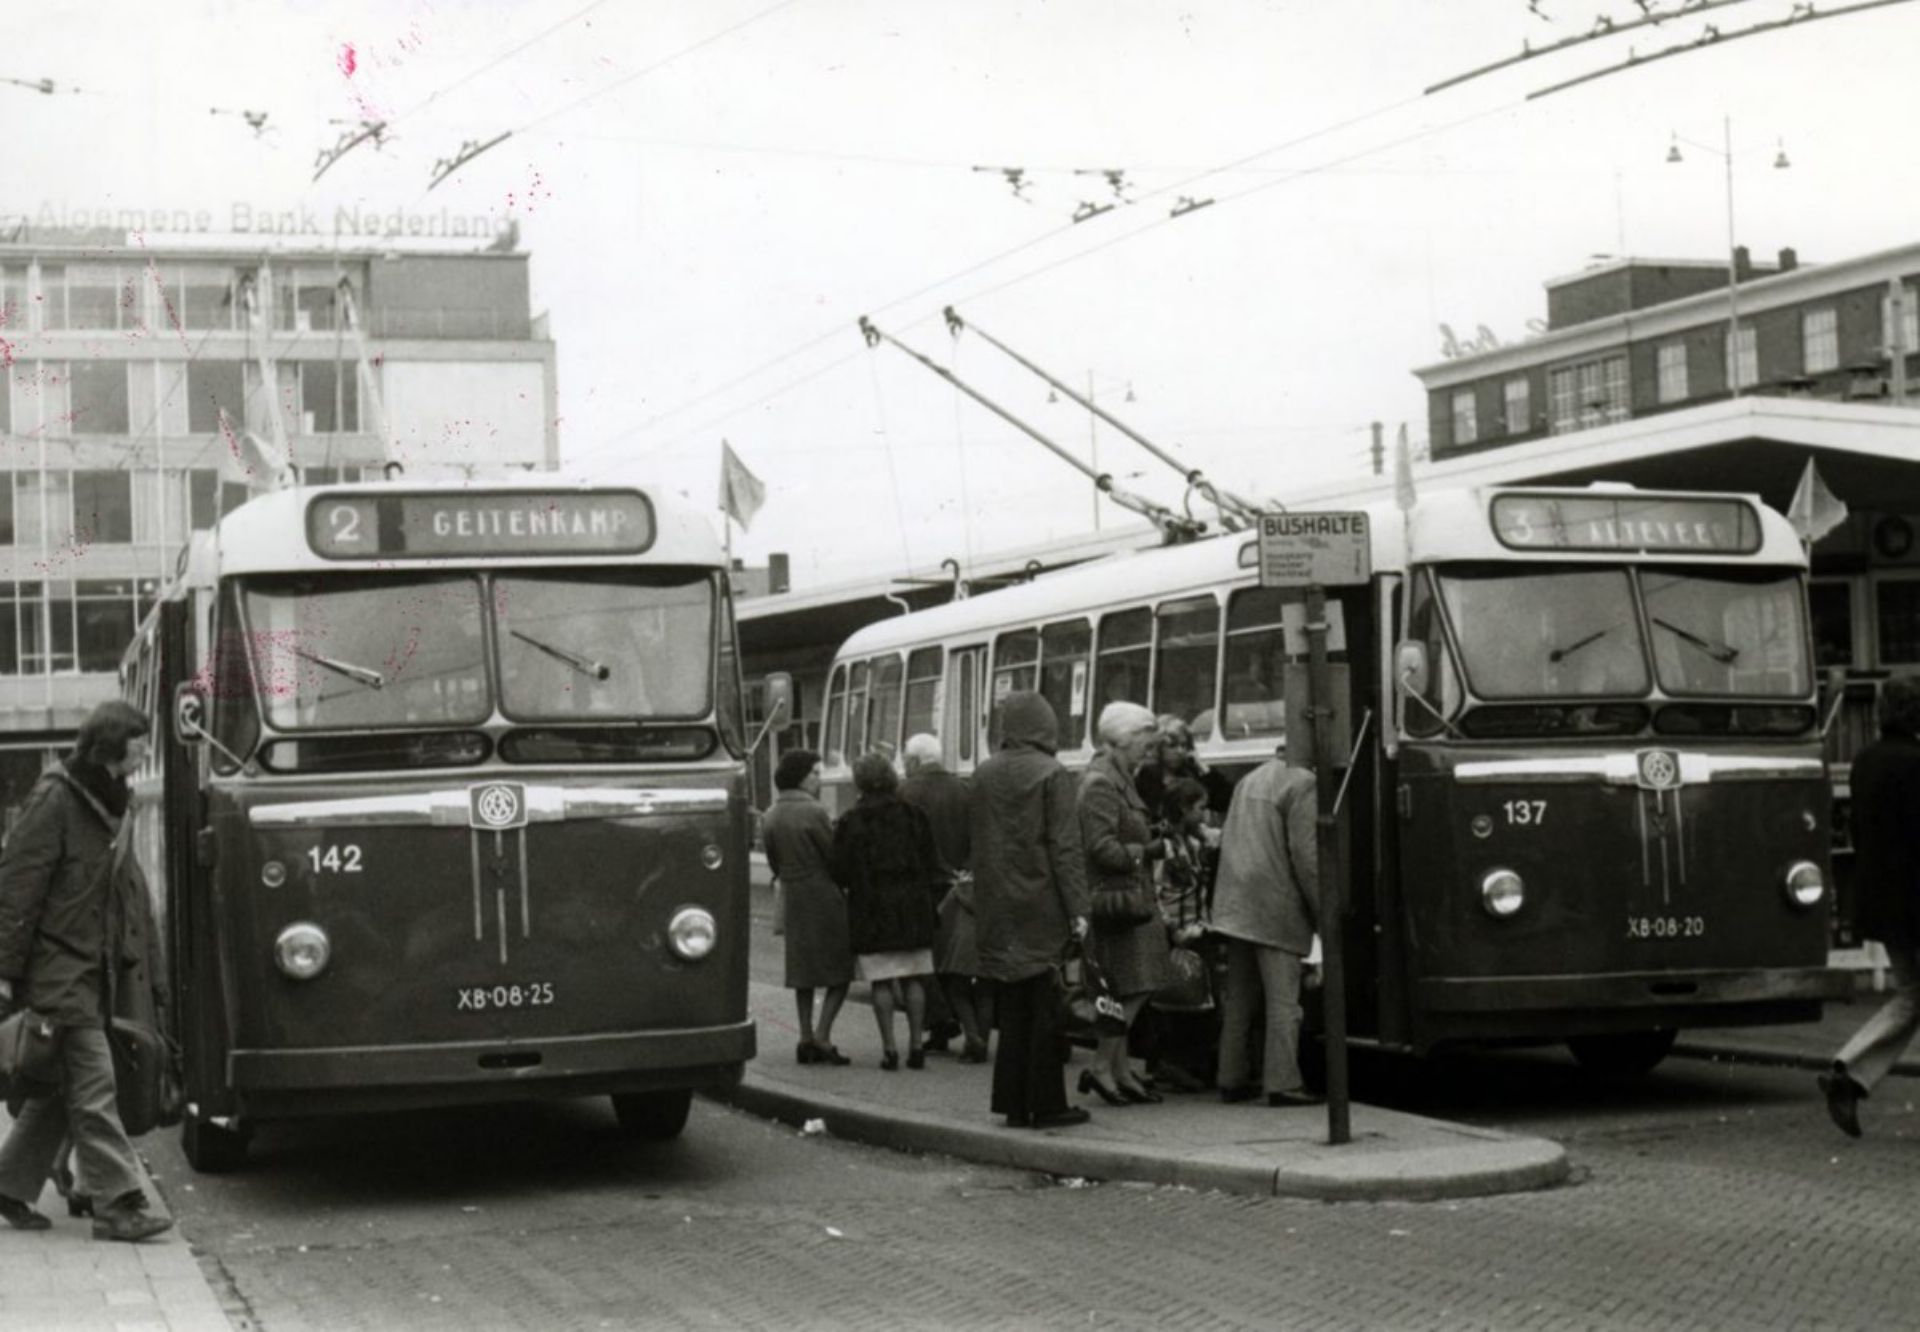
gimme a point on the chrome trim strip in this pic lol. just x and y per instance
(1624, 769)
(448, 809)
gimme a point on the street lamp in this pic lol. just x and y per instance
(1725, 154)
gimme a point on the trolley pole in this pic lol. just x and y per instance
(1332, 908)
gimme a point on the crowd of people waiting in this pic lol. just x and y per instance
(958, 900)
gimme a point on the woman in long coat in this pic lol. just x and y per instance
(799, 841)
(883, 856)
(1119, 844)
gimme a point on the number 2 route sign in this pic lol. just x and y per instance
(1331, 549)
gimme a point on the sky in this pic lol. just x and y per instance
(713, 193)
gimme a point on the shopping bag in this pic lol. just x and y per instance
(1087, 1003)
(1191, 990)
(29, 1057)
(145, 1077)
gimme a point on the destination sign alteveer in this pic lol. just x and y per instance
(1626, 522)
(420, 525)
(1331, 549)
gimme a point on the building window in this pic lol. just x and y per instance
(93, 296)
(1466, 419)
(13, 301)
(1747, 372)
(1909, 320)
(214, 387)
(105, 610)
(45, 628)
(102, 507)
(329, 398)
(1820, 340)
(1519, 400)
(99, 397)
(1590, 394)
(209, 298)
(1897, 620)
(306, 300)
(43, 509)
(203, 498)
(1672, 364)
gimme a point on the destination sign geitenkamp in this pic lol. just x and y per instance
(407, 525)
(1626, 522)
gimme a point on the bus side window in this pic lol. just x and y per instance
(236, 719)
(836, 710)
(856, 710)
(1256, 699)
(1121, 663)
(923, 692)
(963, 707)
(1064, 648)
(1016, 662)
(1186, 657)
(883, 707)
(1442, 693)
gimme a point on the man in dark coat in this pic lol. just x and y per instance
(1030, 899)
(60, 930)
(1886, 876)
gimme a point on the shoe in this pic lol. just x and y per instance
(130, 1224)
(1234, 1095)
(1139, 1095)
(936, 1043)
(1062, 1119)
(917, 1058)
(1019, 1121)
(1294, 1098)
(1843, 1101)
(1092, 1086)
(830, 1054)
(806, 1053)
(975, 1053)
(22, 1217)
(890, 1062)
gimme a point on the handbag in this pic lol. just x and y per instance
(1123, 907)
(1191, 989)
(29, 1057)
(141, 1059)
(1087, 1005)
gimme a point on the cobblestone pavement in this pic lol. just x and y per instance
(1709, 1197)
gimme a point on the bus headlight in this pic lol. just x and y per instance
(1805, 884)
(1501, 893)
(302, 950)
(692, 933)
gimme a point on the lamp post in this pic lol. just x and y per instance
(1725, 154)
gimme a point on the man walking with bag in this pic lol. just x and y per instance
(62, 926)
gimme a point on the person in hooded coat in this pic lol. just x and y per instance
(1029, 901)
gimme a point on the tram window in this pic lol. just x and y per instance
(1256, 699)
(1125, 649)
(967, 706)
(1547, 633)
(1016, 662)
(836, 718)
(1727, 633)
(1064, 648)
(923, 692)
(856, 711)
(1187, 657)
(883, 706)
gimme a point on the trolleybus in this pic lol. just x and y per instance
(452, 805)
(1584, 799)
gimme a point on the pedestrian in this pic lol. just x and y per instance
(946, 800)
(819, 955)
(1886, 878)
(883, 857)
(1179, 1034)
(76, 923)
(1030, 900)
(1266, 903)
(1175, 757)
(1121, 849)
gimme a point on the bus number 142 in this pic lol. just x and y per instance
(335, 859)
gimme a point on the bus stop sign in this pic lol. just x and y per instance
(1328, 549)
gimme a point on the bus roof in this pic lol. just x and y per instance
(1442, 527)
(535, 519)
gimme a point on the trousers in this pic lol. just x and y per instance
(84, 1109)
(1258, 975)
(1027, 1079)
(1870, 1053)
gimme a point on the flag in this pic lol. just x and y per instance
(1815, 510)
(741, 492)
(1403, 494)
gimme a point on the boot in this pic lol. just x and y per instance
(128, 1219)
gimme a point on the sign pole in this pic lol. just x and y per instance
(1332, 912)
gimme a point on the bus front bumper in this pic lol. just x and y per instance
(1494, 1007)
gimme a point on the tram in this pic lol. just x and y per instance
(1584, 793)
(449, 805)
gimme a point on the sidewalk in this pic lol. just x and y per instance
(1190, 1140)
(63, 1278)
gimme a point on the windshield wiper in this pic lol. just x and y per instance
(1561, 654)
(587, 666)
(372, 679)
(1720, 652)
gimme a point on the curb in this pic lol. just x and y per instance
(1487, 1163)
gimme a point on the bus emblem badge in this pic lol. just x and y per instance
(1659, 770)
(497, 806)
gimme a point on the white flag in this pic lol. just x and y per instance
(1815, 510)
(741, 492)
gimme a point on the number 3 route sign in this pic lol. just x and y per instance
(1302, 549)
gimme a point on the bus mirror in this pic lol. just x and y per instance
(1410, 666)
(189, 713)
(779, 699)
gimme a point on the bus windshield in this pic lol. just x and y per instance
(344, 651)
(1727, 633)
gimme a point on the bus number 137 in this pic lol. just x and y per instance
(1526, 813)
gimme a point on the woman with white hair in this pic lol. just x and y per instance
(1120, 847)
